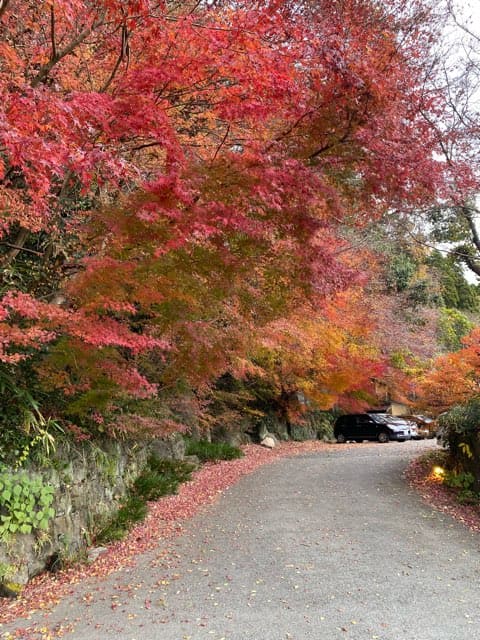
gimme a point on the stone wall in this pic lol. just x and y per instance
(89, 483)
(314, 425)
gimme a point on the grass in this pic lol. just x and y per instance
(212, 451)
(159, 478)
(132, 511)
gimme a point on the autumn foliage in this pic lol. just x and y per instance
(175, 177)
(454, 378)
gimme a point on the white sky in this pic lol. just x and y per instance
(470, 11)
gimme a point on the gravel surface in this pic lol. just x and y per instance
(322, 546)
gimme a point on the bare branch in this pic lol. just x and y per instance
(21, 248)
(459, 24)
(224, 139)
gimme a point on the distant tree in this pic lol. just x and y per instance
(456, 292)
(400, 271)
(453, 327)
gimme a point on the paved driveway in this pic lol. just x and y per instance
(326, 546)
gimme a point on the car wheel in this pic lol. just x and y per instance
(358, 439)
(341, 438)
(383, 436)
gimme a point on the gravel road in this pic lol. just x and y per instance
(332, 545)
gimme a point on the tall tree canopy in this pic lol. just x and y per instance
(174, 174)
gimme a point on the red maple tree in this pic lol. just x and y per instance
(183, 169)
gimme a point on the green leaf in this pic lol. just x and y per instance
(44, 524)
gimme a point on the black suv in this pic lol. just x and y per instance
(371, 426)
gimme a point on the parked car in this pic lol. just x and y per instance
(403, 423)
(426, 427)
(371, 426)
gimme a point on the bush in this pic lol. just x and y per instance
(467, 496)
(462, 480)
(133, 510)
(159, 478)
(212, 451)
(434, 458)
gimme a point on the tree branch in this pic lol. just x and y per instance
(3, 7)
(52, 32)
(48, 66)
(224, 139)
(21, 248)
(465, 255)
(292, 127)
(350, 124)
(124, 54)
(15, 248)
(467, 214)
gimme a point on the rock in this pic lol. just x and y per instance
(302, 431)
(272, 425)
(93, 554)
(269, 442)
(315, 425)
(172, 447)
(234, 435)
(263, 430)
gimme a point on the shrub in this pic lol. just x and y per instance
(132, 511)
(159, 478)
(212, 451)
(462, 480)
(436, 457)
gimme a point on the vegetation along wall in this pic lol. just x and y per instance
(50, 514)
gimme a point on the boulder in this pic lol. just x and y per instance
(232, 434)
(172, 447)
(269, 442)
(270, 424)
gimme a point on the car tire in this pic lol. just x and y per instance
(341, 438)
(383, 436)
